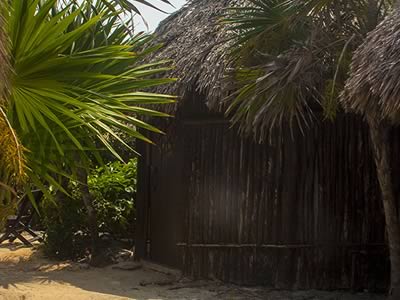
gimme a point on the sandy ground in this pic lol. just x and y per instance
(25, 274)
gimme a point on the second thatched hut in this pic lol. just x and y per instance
(373, 91)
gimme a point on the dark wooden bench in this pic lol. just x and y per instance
(18, 225)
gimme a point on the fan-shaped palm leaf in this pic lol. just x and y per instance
(300, 51)
(69, 90)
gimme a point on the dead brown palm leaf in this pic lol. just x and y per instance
(12, 160)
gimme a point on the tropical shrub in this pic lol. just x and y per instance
(113, 188)
(65, 228)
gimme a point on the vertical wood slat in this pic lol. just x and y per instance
(317, 188)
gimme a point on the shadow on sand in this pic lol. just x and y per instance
(26, 274)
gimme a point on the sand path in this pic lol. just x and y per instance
(26, 275)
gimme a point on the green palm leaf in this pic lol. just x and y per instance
(76, 80)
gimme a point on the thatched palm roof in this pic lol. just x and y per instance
(197, 43)
(374, 85)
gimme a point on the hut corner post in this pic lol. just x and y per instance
(379, 131)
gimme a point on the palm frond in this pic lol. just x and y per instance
(4, 58)
(76, 79)
(278, 92)
(295, 56)
(12, 157)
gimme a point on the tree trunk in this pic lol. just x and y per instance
(60, 196)
(88, 202)
(380, 142)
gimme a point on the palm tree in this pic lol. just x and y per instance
(11, 157)
(75, 81)
(123, 5)
(373, 91)
(292, 58)
(66, 91)
(113, 30)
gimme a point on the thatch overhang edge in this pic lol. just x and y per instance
(373, 88)
(194, 39)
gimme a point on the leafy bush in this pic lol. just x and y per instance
(63, 221)
(113, 188)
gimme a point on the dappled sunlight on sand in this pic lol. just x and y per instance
(25, 273)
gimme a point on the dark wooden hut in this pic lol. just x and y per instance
(302, 211)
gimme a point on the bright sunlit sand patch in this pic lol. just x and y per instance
(13, 257)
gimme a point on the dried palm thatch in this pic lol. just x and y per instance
(195, 40)
(373, 88)
(12, 161)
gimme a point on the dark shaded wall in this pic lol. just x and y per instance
(303, 211)
(161, 199)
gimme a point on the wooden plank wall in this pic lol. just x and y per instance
(300, 212)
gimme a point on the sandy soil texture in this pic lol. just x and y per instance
(25, 274)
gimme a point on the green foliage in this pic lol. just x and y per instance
(76, 80)
(129, 5)
(63, 221)
(113, 188)
(76, 85)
